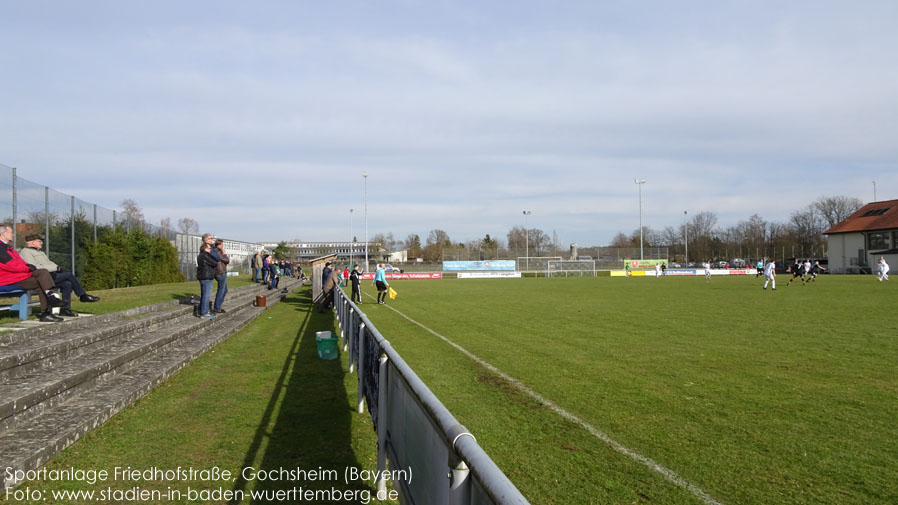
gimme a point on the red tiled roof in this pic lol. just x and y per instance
(885, 219)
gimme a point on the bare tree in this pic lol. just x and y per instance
(132, 211)
(437, 236)
(835, 209)
(165, 223)
(539, 242)
(621, 240)
(702, 224)
(188, 226)
(807, 226)
(516, 238)
(413, 245)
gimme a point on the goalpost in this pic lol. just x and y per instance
(534, 263)
(571, 268)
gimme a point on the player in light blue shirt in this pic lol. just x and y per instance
(380, 280)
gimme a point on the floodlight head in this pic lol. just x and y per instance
(364, 174)
(639, 181)
(527, 212)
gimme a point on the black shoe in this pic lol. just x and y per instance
(219, 311)
(86, 298)
(54, 300)
(66, 311)
(48, 317)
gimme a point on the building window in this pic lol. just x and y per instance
(875, 212)
(879, 241)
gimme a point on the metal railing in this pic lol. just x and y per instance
(434, 459)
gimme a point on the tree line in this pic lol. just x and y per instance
(754, 237)
(801, 235)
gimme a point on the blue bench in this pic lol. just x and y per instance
(24, 300)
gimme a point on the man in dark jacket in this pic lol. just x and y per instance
(274, 274)
(221, 276)
(265, 265)
(333, 281)
(355, 277)
(325, 273)
(205, 272)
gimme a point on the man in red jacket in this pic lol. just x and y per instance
(14, 271)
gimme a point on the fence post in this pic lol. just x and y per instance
(73, 235)
(47, 220)
(459, 473)
(360, 406)
(15, 218)
(348, 331)
(382, 385)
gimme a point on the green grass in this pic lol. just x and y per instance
(260, 399)
(753, 396)
(113, 300)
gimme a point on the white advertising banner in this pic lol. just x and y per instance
(488, 275)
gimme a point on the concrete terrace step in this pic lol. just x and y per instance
(29, 352)
(26, 395)
(46, 410)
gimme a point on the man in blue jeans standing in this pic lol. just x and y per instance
(221, 277)
(257, 265)
(265, 265)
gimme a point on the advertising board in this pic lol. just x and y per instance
(407, 275)
(475, 266)
(489, 275)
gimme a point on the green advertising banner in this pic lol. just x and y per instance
(644, 263)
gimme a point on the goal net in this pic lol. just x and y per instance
(535, 263)
(571, 268)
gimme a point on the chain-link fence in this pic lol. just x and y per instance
(69, 225)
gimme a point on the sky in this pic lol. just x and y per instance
(258, 119)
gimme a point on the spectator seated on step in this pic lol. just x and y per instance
(15, 271)
(65, 281)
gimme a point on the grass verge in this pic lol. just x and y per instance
(261, 400)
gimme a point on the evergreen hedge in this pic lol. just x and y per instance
(130, 259)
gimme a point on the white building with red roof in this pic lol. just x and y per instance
(856, 243)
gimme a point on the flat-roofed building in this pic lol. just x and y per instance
(307, 251)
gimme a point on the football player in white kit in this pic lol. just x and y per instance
(707, 266)
(770, 274)
(883, 269)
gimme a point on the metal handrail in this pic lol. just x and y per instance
(466, 457)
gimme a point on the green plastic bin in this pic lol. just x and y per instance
(327, 345)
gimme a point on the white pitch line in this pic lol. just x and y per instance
(648, 462)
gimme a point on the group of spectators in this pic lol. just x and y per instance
(331, 278)
(268, 270)
(31, 268)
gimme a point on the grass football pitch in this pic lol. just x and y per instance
(739, 395)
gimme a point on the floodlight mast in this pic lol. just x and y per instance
(365, 176)
(639, 183)
(350, 237)
(526, 241)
